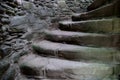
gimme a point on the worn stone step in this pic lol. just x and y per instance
(80, 38)
(108, 10)
(51, 68)
(99, 26)
(74, 52)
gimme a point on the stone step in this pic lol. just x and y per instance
(98, 26)
(108, 10)
(51, 68)
(80, 38)
(74, 52)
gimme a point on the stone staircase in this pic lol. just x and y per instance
(78, 50)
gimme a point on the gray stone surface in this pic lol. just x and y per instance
(64, 69)
(9, 74)
(5, 50)
(18, 20)
(78, 53)
(110, 25)
(30, 19)
(80, 38)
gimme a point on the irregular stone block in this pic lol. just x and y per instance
(96, 26)
(80, 38)
(50, 68)
(74, 52)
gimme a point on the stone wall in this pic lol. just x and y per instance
(61, 9)
(21, 23)
(42, 13)
(36, 15)
(53, 11)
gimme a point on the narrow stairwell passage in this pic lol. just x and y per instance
(78, 50)
(69, 55)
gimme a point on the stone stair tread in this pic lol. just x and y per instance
(71, 33)
(74, 52)
(52, 68)
(110, 25)
(79, 38)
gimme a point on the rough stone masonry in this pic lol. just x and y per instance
(19, 22)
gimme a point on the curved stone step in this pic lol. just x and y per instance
(87, 39)
(74, 52)
(108, 10)
(50, 68)
(102, 25)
